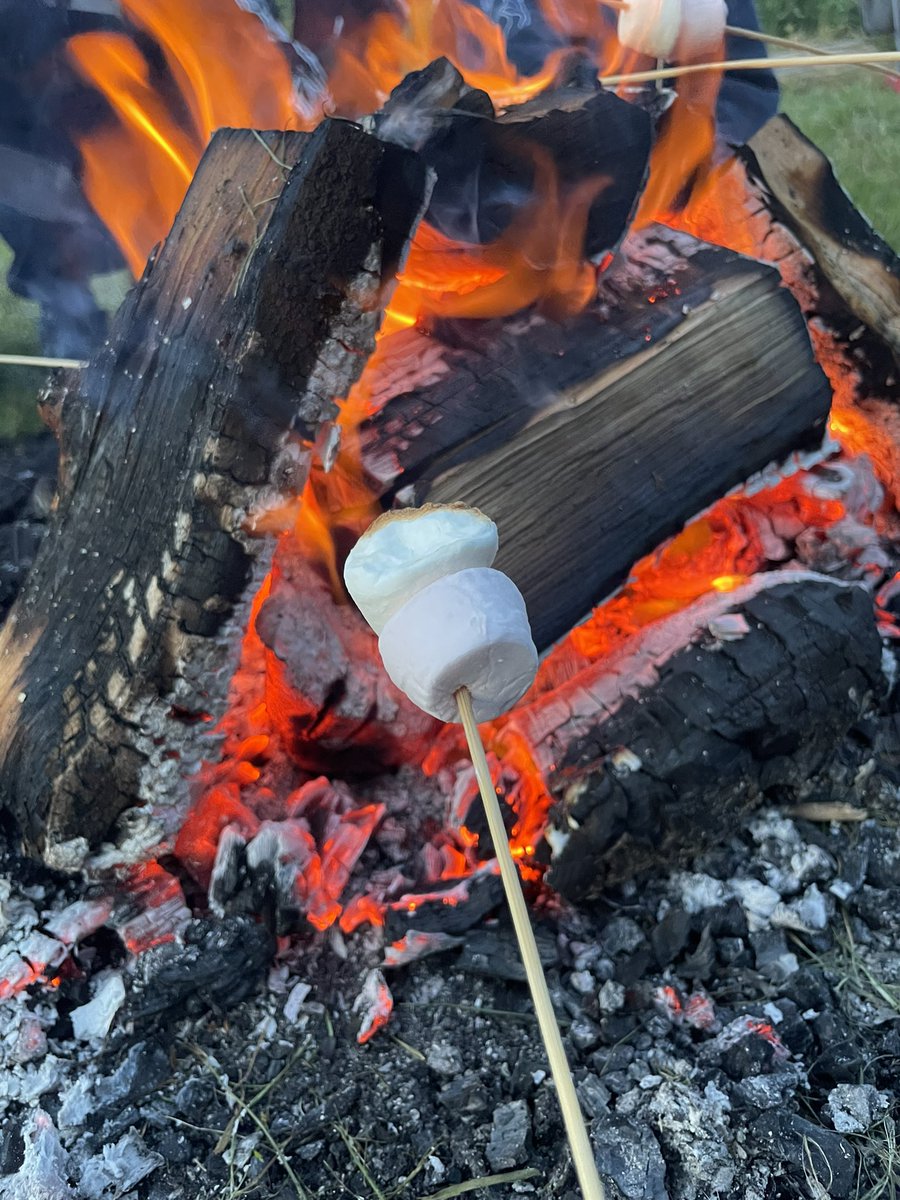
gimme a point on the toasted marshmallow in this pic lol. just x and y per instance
(702, 30)
(464, 630)
(651, 27)
(409, 548)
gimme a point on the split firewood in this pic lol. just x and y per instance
(805, 195)
(697, 720)
(692, 370)
(577, 139)
(223, 363)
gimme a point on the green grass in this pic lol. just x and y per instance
(854, 118)
(808, 16)
(18, 335)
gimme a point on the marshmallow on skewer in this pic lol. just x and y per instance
(702, 30)
(650, 27)
(444, 624)
(406, 549)
(469, 630)
(682, 31)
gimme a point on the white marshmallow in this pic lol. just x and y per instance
(465, 630)
(702, 30)
(405, 550)
(651, 27)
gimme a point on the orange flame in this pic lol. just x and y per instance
(370, 64)
(227, 72)
(538, 259)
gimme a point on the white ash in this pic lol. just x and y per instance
(759, 900)
(696, 891)
(118, 1168)
(44, 1173)
(295, 1000)
(728, 627)
(811, 913)
(694, 1128)
(92, 1021)
(856, 1107)
(611, 997)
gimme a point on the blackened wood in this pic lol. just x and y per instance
(486, 168)
(805, 195)
(591, 441)
(724, 724)
(223, 363)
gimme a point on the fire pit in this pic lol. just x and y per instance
(237, 854)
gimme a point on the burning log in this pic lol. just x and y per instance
(487, 167)
(735, 699)
(854, 260)
(691, 372)
(223, 364)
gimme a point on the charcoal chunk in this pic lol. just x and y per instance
(628, 1154)
(670, 936)
(144, 1068)
(810, 1148)
(220, 964)
(510, 1134)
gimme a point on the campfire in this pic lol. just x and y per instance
(418, 254)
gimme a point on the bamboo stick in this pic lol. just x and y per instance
(34, 360)
(753, 64)
(771, 39)
(576, 1131)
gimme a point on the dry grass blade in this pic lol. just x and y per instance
(38, 360)
(358, 1160)
(853, 973)
(486, 1181)
(822, 811)
(245, 1110)
(881, 1155)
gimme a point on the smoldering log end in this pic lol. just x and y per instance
(726, 725)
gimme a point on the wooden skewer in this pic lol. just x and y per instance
(576, 1131)
(33, 360)
(752, 64)
(754, 35)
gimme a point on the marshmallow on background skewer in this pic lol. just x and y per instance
(405, 550)
(702, 30)
(445, 619)
(680, 30)
(650, 26)
(469, 630)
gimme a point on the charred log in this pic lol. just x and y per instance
(806, 197)
(224, 362)
(750, 705)
(693, 371)
(487, 168)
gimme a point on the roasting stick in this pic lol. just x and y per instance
(579, 1142)
(771, 39)
(33, 360)
(753, 64)
(753, 35)
(454, 636)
